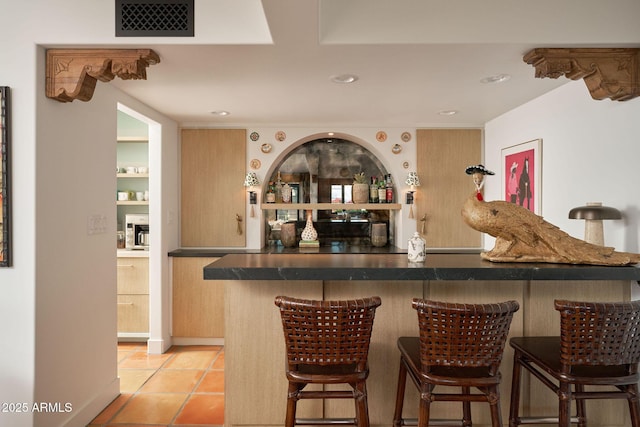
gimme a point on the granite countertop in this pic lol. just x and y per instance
(346, 266)
(329, 249)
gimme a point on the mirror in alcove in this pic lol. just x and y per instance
(322, 171)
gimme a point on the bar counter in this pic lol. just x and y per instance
(255, 383)
(321, 266)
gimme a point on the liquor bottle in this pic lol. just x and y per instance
(373, 190)
(382, 192)
(271, 194)
(389, 189)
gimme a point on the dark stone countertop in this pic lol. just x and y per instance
(349, 266)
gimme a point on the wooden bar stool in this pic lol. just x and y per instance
(460, 345)
(327, 342)
(599, 345)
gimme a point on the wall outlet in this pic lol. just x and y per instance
(96, 224)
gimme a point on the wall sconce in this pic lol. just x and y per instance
(412, 181)
(251, 180)
(593, 214)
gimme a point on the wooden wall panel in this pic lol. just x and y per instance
(442, 157)
(212, 191)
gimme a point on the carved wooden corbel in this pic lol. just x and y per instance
(73, 73)
(608, 72)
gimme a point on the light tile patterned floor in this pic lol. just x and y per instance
(182, 387)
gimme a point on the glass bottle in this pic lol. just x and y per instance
(373, 190)
(389, 189)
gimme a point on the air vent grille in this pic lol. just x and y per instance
(154, 18)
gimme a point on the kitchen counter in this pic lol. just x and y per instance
(322, 266)
(255, 383)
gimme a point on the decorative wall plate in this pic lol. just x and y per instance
(266, 148)
(396, 149)
(381, 136)
(405, 137)
(254, 136)
(281, 136)
(405, 165)
(255, 164)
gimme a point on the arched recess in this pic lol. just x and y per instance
(316, 165)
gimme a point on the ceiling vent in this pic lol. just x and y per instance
(154, 18)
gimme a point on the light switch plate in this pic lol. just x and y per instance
(96, 224)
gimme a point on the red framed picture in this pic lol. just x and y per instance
(521, 172)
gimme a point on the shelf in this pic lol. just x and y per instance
(132, 175)
(332, 206)
(132, 203)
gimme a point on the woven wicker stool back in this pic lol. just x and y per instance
(460, 345)
(469, 335)
(598, 346)
(327, 342)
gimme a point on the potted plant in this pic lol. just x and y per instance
(360, 189)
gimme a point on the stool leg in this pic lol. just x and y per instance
(362, 410)
(634, 405)
(581, 408)
(514, 406)
(466, 408)
(494, 404)
(425, 405)
(292, 400)
(564, 398)
(402, 381)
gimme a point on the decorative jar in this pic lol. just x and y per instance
(417, 248)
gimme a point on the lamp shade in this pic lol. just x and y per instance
(251, 180)
(594, 210)
(413, 180)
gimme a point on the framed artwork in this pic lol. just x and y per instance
(522, 173)
(5, 175)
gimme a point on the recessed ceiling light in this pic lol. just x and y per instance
(330, 133)
(220, 113)
(498, 78)
(344, 78)
(448, 112)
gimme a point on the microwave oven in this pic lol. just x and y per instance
(137, 231)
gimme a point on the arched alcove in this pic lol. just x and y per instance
(320, 169)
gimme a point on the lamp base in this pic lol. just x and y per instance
(593, 231)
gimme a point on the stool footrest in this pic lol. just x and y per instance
(544, 420)
(325, 421)
(432, 422)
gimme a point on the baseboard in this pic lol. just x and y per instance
(81, 417)
(157, 346)
(197, 341)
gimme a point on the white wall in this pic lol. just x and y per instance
(590, 152)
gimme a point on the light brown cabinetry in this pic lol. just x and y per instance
(212, 192)
(442, 157)
(133, 297)
(198, 304)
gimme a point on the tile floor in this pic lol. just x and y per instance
(182, 387)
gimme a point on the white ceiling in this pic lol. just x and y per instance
(270, 63)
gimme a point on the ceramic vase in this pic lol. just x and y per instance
(360, 193)
(379, 234)
(416, 250)
(288, 234)
(309, 233)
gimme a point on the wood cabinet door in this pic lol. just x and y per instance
(442, 157)
(198, 304)
(212, 191)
